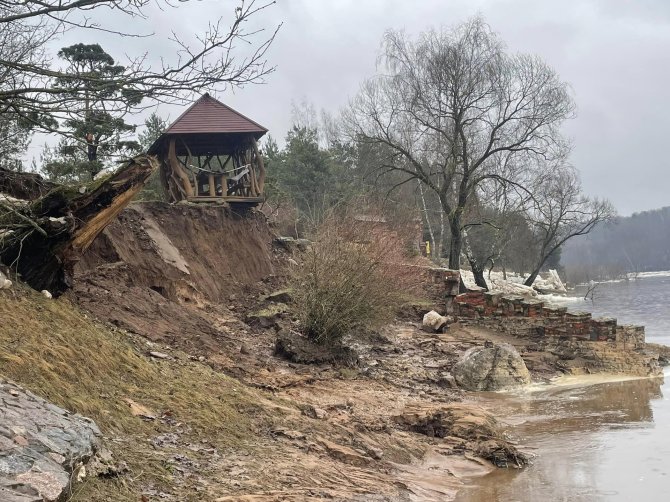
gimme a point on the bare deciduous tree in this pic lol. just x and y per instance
(490, 224)
(33, 88)
(452, 106)
(560, 212)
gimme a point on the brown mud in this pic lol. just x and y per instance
(189, 284)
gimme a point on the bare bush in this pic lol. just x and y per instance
(353, 277)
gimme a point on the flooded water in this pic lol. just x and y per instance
(645, 301)
(595, 439)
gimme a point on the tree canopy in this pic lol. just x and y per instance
(456, 109)
(32, 88)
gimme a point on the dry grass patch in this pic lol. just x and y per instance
(53, 349)
(353, 278)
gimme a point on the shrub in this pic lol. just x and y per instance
(351, 279)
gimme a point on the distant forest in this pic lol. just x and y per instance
(631, 244)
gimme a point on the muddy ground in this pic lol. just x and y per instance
(186, 282)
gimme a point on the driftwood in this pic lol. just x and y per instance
(43, 237)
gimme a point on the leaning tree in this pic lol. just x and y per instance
(452, 106)
(560, 211)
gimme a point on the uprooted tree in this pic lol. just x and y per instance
(44, 228)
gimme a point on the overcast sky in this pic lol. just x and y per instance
(614, 53)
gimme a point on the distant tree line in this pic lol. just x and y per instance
(626, 245)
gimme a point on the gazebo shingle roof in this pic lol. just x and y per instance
(208, 115)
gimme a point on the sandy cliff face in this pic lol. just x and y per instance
(165, 271)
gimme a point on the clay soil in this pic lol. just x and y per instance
(184, 281)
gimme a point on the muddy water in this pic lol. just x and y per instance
(595, 441)
(643, 301)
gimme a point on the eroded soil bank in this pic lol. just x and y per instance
(159, 344)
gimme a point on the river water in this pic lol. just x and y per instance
(596, 438)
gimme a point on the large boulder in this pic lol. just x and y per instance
(434, 322)
(496, 367)
(42, 447)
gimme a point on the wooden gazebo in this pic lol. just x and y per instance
(210, 154)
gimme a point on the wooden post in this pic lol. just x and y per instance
(212, 187)
(261, 167)
(175, 164)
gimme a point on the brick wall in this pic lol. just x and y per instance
(533, 318)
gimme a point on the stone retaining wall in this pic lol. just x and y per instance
(443, 284)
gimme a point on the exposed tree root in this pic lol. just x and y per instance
(42, 238)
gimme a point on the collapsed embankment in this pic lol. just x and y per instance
(169, 272)
(156, 344)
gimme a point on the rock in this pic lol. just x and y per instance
(314, 412)
(81, 473)
(464, 421)
(268, 317)
(139, 410)
(159, 355)
(46, 294)
(299, 349)
(491, 368)
(290, 434)
(4, 282)
(281, 296)
(40, 445)
(344, 453)
(447, 381)
(477, 429)
(434, 322)
(244, 350)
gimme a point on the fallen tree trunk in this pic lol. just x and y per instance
(43, 238)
